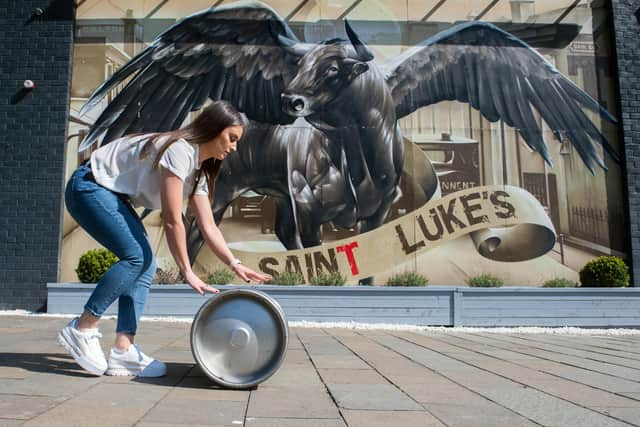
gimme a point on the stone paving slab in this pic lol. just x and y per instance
(584, 360)
(20, 407)
(390, 418)
(518, 371)
(602, 378)
(331, 377)
(174, 410)
(288, 402)
(528, 402)
(294, 422)
(582, 349)
(372, 397)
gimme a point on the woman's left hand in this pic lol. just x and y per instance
(247, 274)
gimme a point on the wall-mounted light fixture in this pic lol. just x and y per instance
(27, 87)
(36, 14)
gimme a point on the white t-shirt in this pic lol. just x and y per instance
(118, 167)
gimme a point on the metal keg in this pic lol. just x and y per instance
(239, 337)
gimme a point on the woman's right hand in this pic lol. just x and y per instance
(198, 285)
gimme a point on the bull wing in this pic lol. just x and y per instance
(230, 52)
(502, 77)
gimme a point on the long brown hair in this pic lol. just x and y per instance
(213, 119)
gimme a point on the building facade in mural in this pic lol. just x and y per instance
(325, 142)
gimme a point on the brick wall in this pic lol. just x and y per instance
(32, 141)
(626, 14)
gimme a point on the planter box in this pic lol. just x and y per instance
(517, 306)
(428, 305)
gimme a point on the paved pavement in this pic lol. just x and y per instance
(332, 377)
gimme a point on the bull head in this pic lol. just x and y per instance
(324, 71)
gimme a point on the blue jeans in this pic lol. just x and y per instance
(114, 224)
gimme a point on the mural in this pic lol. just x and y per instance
(334, 170)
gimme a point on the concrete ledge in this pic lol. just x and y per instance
(430, 305)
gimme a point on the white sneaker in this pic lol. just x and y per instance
(134, 362)
(84, 346)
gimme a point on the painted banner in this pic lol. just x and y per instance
(505, 223)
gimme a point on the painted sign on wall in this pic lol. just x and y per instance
(466, 152)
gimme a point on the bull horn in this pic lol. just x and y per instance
(364, 54)
(293, 46)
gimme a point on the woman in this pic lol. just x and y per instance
(157, 171)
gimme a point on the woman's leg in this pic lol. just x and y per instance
(131, 304)
(112, 224)
(87, 321)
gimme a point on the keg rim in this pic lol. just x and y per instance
(272, 305)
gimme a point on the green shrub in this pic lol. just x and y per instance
(287, 278)
(605, 271)
(485, 281)
(408, 278)
(558, 282)
(93, 264)
(221, 276)
(328, 279)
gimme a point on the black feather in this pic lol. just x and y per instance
(173, 77)
(503, 77)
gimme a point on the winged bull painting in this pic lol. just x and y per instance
(324, 140)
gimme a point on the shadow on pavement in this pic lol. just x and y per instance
(54, 363)
(185, 375)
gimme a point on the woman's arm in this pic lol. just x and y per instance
(210, 231)
(171, 200)
(214, 239)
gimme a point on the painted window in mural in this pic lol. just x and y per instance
(452, 138)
